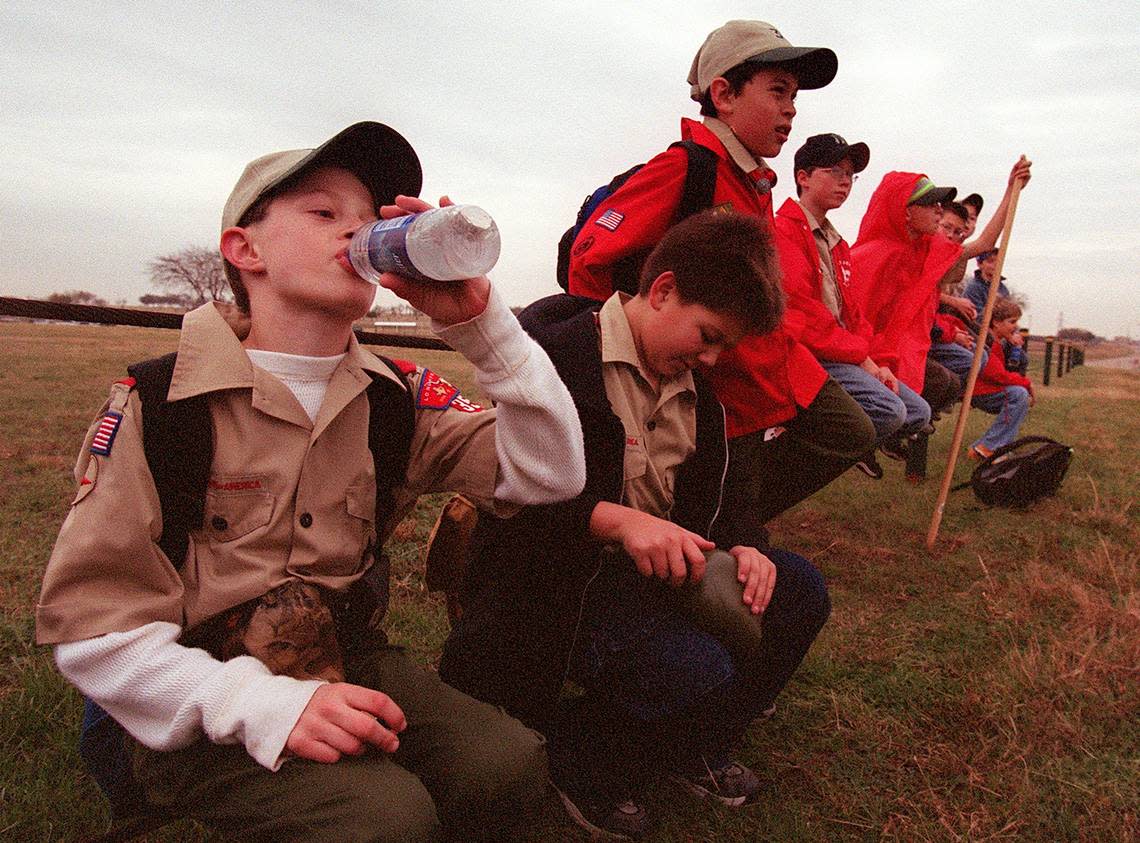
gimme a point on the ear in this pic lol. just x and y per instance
(663, 286)
(801, 178)
(720, 92)
(238, 248)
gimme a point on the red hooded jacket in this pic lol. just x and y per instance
(995, 377)
(765, 377)
(897, 279)
(803, 284)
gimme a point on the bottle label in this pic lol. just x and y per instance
(388, 248)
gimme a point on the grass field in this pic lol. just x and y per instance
(987, 691)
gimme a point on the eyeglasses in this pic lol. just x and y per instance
(839, 174)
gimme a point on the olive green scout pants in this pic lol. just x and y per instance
(464, 770)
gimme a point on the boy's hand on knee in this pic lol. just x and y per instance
(343, 719)
(757, 574)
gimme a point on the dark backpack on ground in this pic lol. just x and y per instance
(1019, 473)
(697, 194)
(178, 442)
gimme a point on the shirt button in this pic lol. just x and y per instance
(306, 520)
(219, 523)
(651, 425)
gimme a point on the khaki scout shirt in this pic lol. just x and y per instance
(660, 422)
(288, 497)
(826, 238)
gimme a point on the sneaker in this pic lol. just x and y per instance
(606, 821)
(894, 448)
(979, 452)
(870, 466)
(732, 784)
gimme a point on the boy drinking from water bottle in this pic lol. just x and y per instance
(256, 689)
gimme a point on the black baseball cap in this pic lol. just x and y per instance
(828, 150)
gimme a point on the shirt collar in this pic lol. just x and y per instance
(829, 232)
(211, 356)
(759, 173)
(618, 346)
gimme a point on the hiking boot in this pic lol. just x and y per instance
(870, 466)
(604, 820)
(731, 784)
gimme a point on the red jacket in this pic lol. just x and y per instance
(803, 284)
(764, 378)
(897, 279)
(994, 376)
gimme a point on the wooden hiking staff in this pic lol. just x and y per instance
(975, 366)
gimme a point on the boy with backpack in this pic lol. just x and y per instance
(676, 655)
(792, 428)
(246, 661)
(999, 391)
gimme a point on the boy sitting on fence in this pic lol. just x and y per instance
(998, 391)
(246, 661)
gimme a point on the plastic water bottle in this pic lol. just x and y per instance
(443, 244)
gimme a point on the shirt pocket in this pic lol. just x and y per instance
(236, 506)
(635, 463)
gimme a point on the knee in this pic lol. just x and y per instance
(1018, 396)
(801, 594)
(390, 809)
(505, 771)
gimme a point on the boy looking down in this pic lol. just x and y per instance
(676, 654)
(283, 575)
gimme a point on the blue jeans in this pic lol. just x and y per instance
(1010, 406)
(660, 693)
(889, 413)
(956, 358)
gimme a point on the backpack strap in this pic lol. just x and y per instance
(700, 180)
(391, 424)
(696, 195)
(178, 440)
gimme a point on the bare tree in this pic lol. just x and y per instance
(195, 273)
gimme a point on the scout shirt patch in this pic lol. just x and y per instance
(610, 220)
(105, 433)
(437, 394)
(108, 427)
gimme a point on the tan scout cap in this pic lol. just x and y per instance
(739, 41)
(378, 155)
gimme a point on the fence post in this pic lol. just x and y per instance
(1060, 358)
(1048, 358)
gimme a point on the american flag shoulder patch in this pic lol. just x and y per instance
(105, 433)
(610, 220)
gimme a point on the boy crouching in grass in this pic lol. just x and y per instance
(677, 646)
(998, 391)
(259, 694)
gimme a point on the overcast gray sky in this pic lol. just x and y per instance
(126, 124)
